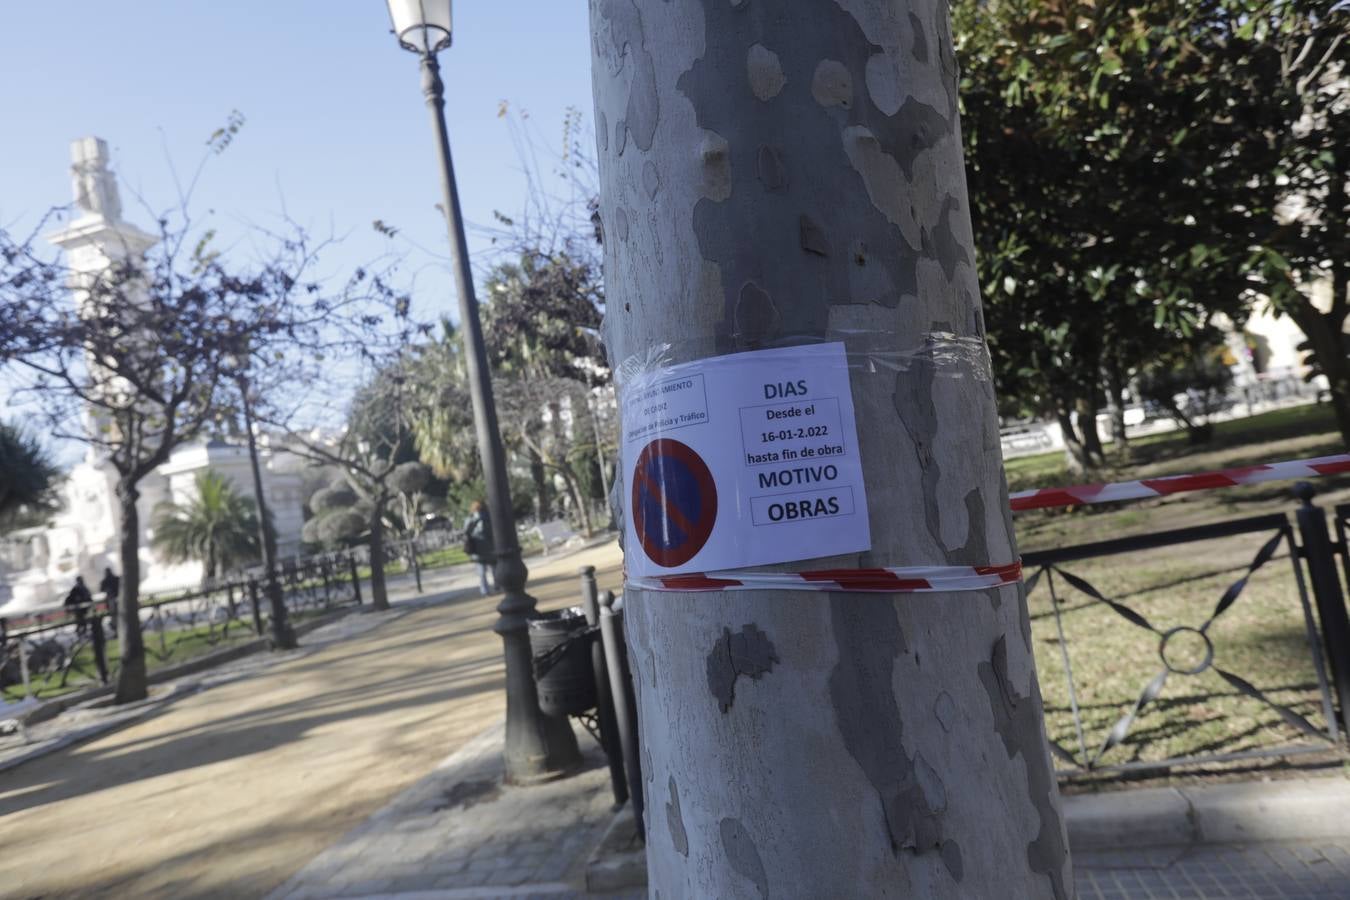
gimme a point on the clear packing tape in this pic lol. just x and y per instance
(949, 355)
(752, 459)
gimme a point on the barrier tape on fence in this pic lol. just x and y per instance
(949, 579)
(1078, 495)
(903, 579)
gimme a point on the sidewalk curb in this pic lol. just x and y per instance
(1243, 812)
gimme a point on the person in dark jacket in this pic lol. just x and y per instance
(78, 602)
(478, 544)
(111, 586)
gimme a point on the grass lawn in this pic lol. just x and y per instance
(161, 649)
(1261, 638)
(445, 557)
(1310, 429)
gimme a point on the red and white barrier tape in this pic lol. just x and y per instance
(906, 579)
(1045, 498)
(934, 579)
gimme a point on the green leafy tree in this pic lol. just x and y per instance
(218, 527)
(375, 454)
(542, 325)
(1136, 168)
(439, 411)
(1092, 165)
(27, 478)
(338, 520)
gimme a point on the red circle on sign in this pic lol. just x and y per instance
(674, 503)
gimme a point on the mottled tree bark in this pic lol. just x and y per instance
(784, 172)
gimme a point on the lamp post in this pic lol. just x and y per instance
(537, 746)
(283, 636)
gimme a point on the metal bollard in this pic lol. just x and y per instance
(604, 707)
(257, 608)
(625, 704)
(1326, 584)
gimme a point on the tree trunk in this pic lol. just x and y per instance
(1087, 426)
(209, 573)
(1076, 458)
(777, 174)
(379, 595)
(542, 508)
(1328, 348)
(283, 636)
(579, 497)
(1115, 390)
(600, 453)
(131, 683)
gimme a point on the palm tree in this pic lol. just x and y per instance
(27, 476)
(219, 527)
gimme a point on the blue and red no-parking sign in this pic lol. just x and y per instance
(674, 502)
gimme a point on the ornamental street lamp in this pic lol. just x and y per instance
(283, 636)
(537, 746)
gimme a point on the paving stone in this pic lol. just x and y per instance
(541, 836)
(1307, 869)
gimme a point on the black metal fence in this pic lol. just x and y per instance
(70, 647)
(1224, 646)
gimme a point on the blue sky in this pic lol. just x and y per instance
(335, 120)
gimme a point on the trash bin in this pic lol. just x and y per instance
(560, 643)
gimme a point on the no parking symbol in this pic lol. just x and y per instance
(674, 502)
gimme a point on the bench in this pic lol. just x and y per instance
(557, 533)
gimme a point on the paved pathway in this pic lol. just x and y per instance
(461, 833)
(1310, 869)
(228, 791)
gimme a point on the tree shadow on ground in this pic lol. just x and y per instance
(377, 679)
(372, 692)
(1124, 703)
(248, 734)
(372, 681)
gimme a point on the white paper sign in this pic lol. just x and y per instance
(742, 460)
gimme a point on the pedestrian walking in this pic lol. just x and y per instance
(478, 544)
(78, 602)
(111, 586)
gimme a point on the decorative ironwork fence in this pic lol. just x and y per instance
(1193, 685)
(60, 649)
